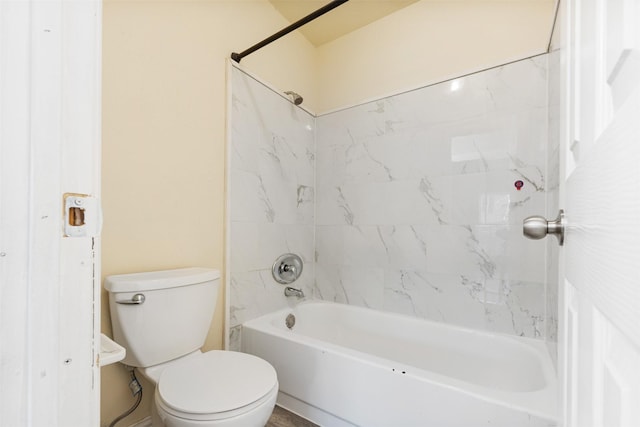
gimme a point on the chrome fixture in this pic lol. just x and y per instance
(136, 299)
(537, 227)
(287, 268)
(290, 321)
(297, 99)
(293, 292)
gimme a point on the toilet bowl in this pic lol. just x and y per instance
(216, 388)
(162, 319)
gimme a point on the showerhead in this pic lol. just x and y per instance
(297, 99)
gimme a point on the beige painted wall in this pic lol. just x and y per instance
(428, 42)
(164, 118)
(164, 102)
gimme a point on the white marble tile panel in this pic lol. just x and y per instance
(456, 250)
(249, 199)
(525, 259)
(352, 204)
(253, 294)
(491, 141)
(353, 246)
(518, 309)
(290, 202)
(361, 286)
(332, 207)
(527, 78)
(332, 161)
(363, 165)
(492, 252)
(245, 140)
(437, 195)
(268, 200)
(531, 138)
(393, 203)
(398, 157)
(505, 204)
(440, 105)
(256, 246)
(480, 148)
(415, 205)
(356, 124)
(448, 199)
(502, 252)
(411, 202)
(416, 293)
(329, 244)
(363, 246)
(264, 105)
(464, 197)
(328, 285)
(332, 129)
(272, 195)
(405, 246)
(246, 249)
(372, 246)
(460, 303)
(285, 159)
(447, 298)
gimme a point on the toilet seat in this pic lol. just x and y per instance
(216, 385)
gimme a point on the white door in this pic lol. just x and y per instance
(49, 146)
(600, 288)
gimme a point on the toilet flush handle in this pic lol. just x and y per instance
(136, 299)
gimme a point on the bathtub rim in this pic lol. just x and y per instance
(541, 403)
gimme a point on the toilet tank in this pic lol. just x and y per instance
(174, 318)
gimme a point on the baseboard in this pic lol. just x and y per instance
(145, 422)
(311, 413)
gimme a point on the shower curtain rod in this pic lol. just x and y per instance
(310, 17)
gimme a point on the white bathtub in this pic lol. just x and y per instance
(342, 366)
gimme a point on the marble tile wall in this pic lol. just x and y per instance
(416, 207)
(271, 196)
(411, 200)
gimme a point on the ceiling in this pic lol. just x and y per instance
(345, 18)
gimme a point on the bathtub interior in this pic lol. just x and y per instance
(352, 344)
(488, 360)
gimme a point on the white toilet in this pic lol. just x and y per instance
(162, 319)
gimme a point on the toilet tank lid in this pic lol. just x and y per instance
(155, 280)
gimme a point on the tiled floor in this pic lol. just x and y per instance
(283, 418)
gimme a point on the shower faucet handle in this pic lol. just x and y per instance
(287, 269)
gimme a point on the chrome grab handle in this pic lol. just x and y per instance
(537, 227)
(136, 299)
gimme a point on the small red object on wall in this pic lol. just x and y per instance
(519, 184)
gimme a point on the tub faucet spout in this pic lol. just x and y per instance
(293, 292)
